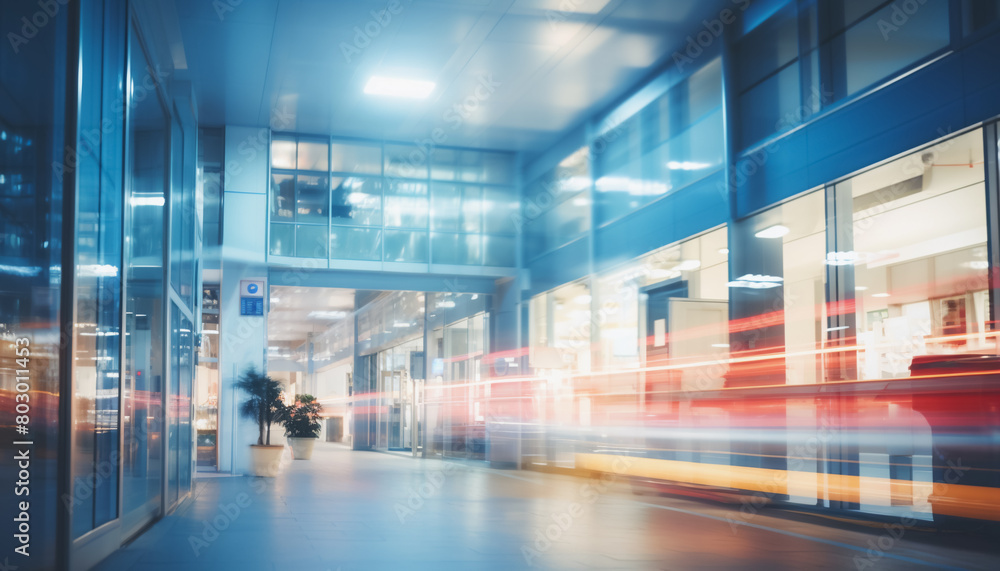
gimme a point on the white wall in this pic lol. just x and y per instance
(243, 339)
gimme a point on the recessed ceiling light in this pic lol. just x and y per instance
(397, 87)
(772, 232)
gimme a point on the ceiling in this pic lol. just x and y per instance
(296, 311)
(541, 66)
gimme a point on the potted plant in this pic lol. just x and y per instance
(301, 422)
(263, 405)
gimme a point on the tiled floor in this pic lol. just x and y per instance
(350, 511)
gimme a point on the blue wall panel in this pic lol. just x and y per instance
(944, 97)
(559, 266)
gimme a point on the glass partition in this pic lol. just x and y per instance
(144, 366)
(389, 202)
(919, 257)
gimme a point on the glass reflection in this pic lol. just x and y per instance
(144, 367)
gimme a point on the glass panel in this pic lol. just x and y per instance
(33, 162)
(357, 158)
(311, 198)
(282, 153)
(765, 108)
(282, 196)
(355, 243)
(446, 206)
(919, 257)
(499, 251)
(173, 426)
(500, 208)
(456, 208)
(145, 323)
(176, 203)
(311, 241)
(98, 249)
(313, 156)
(406, 162)
(779, 280)
(461, 249)
(406, 204)
(870, 56)
(207, 412)
(183, 406)
(768, 47)
(403, 246)
(282, 240)
(357, 201)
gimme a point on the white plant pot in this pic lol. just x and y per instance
(266, 460)
(302, 448)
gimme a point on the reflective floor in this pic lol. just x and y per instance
(348, 510)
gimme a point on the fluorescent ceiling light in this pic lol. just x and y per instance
(842, 258)
(448, 304)
(772, 232)
(688, 265)
(860, 288)
(756, 281)
(724, 251)
(880, 295)
(147, 201)
(839, 328)
(401, 324)
(397, 87)
(720, 345)
(275, 300)
(582, 299)
(686, 166)
(977, 265)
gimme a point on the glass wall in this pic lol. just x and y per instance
(919, 257)
(778, 290)
(144, 365)
(810, 55)
(98, 277)
(613, 347)
(206, 399)
(557, 206)
(32, 120)
(368, 201)
(673, 141)
(457, 389)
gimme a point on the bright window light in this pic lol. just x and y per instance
(772, 232)
(396, 87)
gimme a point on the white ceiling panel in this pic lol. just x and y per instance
(556, 61)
